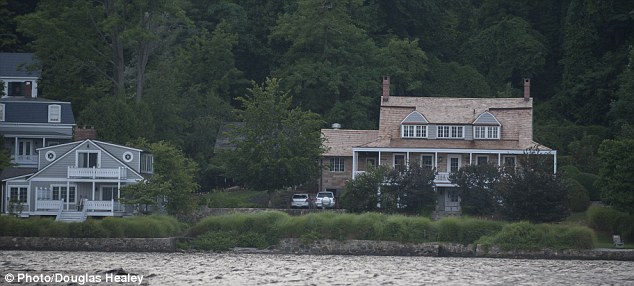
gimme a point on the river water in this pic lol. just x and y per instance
(80, 268)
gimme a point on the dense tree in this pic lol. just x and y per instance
(277, 146)
(615, 175)
(476, 185)
(532, 192)
(361, 194)
(173, 180)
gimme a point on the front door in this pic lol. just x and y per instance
(452, 200)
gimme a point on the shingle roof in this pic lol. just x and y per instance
(17, 65)
(453, 144)
(34, 110)
(454, 110)
(339, 142)
(13, 172)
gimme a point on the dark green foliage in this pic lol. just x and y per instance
(612, 221)
(524, 235)
(615, 175)
(240, 199)
(134, 227)
(277, 146)
(532, 192)
(388, 190)
(579, 200)
(477, 194)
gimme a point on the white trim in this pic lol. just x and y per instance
(124, 156)
(414, 131)
(51, 112)
(67, 186)
(2, 111)
(51, 158)
(483, 113)
(114, 187)
(432, 159)
(415, 123)
(451, 156)
(450, 131)
(450, 150)
(487, 129)
(98, 152)
(63, 180)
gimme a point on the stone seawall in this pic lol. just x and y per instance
(89, 244)
(393, 248)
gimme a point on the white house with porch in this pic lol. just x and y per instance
(76, 180)
(440, 133)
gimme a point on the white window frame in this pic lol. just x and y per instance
(62, 191)
(450, 132)
(101, 191)
(2, 111)
(404, 160)
(19, 190)
(449, 157)
(422, 161)
(54, 113)
(509, 156)
(337, 164)
(146, 162)
(98, 165)
(486, 130)
(413, 131)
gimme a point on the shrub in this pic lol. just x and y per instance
(524, 235)
(612, 221)
(577, 196)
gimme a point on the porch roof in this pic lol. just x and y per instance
(339, 142)
(14, 172)
(452, 144)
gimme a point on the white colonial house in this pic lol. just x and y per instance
(438, 132)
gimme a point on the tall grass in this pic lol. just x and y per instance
(525, 235)
(133, 227)
(265, 229)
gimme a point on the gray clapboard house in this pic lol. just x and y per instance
(78, 179)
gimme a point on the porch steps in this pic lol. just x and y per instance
(70, 216)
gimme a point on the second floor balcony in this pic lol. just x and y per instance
(97, 173)
(24, 160)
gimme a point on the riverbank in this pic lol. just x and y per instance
(317, 247)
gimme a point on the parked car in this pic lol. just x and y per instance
(300, 201)
(325, 200)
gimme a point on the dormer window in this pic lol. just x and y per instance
(452, 132)
(54, 113)
(414, 126)
(486, 126)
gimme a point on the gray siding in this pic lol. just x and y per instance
(486, 119)
(432, 131)
(468, 132)
(415, 117)
(59, 150)
(117, 152)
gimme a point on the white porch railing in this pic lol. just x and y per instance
(25, 159)
(48, 205)
(442, 178)
(119, 173)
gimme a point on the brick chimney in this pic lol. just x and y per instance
(84, 132)
(386, 88)
(527, 89)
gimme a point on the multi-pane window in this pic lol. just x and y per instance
(399, 162)
(87, 159)
(509, 161)
(55, 113)
(454, 164)
(337, 164)
(426, 161)
(414, 131)
(67, 195)
(18, 194)
(482, 160)
(147, 163)
(486, 132)
(445, 131)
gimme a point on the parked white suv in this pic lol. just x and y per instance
(325, 200)
(300, 201)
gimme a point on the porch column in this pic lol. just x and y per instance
(554, 163)
(499, 159)
(470, 158)
(379, 163)
(17, 149)
(354, 164)
(407, 160)
(93, 190)
(37, 192)
(68, 195)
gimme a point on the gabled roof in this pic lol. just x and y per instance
(17, 65)
(449, 110)
(339, 142)
(34, 110)
(94, 143)
(415, 118)
(16, 172)
(486, 118)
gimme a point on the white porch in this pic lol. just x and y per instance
(94, 173)
(87, 208)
